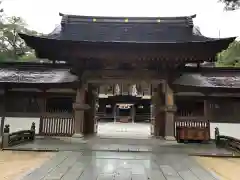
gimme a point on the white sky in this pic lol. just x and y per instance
(43, 15)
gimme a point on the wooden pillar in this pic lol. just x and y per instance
(90, 113)
(94, 106)
(133, 113)
(153, 110)
(206, 115)
(79, 107)
(170, 109)
(43, 109)
(115, 113)
(158, 112)
(3, 112)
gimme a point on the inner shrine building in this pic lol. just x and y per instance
(163, 54)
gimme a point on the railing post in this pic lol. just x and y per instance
(217, 136)
(33, 129)
(5, 137)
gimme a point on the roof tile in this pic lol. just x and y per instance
(210, 81)
(135, 29)
(36, 76)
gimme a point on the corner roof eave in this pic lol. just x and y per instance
(32, 39)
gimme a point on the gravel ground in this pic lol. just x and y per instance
(226, 168)
(15, 164)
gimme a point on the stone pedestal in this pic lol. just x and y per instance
(79, 107)
(169, 123)
(170, 109)
(77, 135)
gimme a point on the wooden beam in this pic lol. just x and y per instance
(118, 81)
(121, 74)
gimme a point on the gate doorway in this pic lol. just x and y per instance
(124, 130)
(126, 120)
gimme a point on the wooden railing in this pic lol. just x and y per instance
(192, 128)
(23, 136)
(228, 142)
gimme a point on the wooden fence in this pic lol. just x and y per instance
(192, 128)
(61, 124)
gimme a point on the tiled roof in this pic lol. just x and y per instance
(210, 81)
(129, 29)
(10, 75)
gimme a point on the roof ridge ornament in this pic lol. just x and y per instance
(193, 16)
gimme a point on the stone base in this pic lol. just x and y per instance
(77, 135)
(77, 138)
(170, 138)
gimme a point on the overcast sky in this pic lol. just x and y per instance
(43, 15)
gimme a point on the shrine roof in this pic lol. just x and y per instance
(128, 29)
(107, 37)
(230, 80)
(36, 76)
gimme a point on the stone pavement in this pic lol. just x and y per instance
(100, 165)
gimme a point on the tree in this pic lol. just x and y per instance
(230, 57)
(11, 45)
(231, 4)
(1, 9)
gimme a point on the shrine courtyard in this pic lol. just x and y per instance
(104, 68)
(105, 165)
(117, 152)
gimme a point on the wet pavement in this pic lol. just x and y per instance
(100, 165)
(99, 158)
(117, 145)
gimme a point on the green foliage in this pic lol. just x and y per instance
(230, 57)
(231, 4)
(11, 45)
(27, 57)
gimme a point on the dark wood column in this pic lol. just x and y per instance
(159, 116)
(90, 113)
(170, 109)
(133, 113)
(79, 107)
(3, 110)
(206, 110)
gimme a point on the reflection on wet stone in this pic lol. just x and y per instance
(99, 165)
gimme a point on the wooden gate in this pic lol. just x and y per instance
(56, 125)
